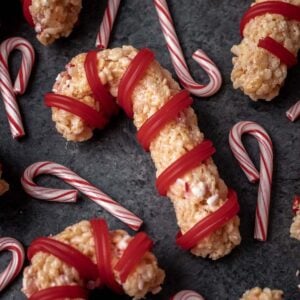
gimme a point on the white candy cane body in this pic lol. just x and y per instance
(294, 112)
(61, 195)
(16, 263)
(10, 90)
(265, 174)
(107, 23)
(178, 60)
(187, 295)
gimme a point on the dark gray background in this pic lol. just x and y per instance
(115, 162)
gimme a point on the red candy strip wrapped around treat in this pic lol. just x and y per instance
(61, 195)
(16, 263)
(9, 90)
(86, 256)
(167, 127)
(295, 227)
(269, 47)
(265, 174)
(51, 19)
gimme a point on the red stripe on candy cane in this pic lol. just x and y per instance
(7, 88)
(63, 195)
(265, 174)
(294, 112)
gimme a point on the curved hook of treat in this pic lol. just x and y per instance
(266, 169)
(7, 88)
(62, 195)
(187, 295)
(15, 265)
(107, 23)
(294, 112)
(178, 60)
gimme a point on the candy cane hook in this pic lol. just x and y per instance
(16, 263)
(187, 295)
(107, 23)
(265, 174)
(10, 90)
(61, 195)
(294, 112)
(178, 60)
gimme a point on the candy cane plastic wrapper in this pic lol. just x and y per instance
(107, 23)
(178, 60)
(265, 174)
(61, 195)
(10, 90)
(187, 295)
(294, 112)
(16, 263)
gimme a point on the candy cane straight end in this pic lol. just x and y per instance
(16, 263)
(294, 112)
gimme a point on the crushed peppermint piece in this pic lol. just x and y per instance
(212, 200)
(297, 273)
(199, 189)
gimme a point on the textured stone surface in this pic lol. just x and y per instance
(115, 162)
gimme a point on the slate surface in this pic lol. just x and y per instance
(114, 161)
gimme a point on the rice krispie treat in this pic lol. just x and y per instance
(52, 19)
(197, 194)
(112, 258)
(269, 46)
(4, 187)
(262, 294)
(295, 227)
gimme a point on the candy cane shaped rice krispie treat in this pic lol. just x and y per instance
(205, 209)
(4, 187)
(86, 256)
(271, 41)
(262, 294)
(52, 19)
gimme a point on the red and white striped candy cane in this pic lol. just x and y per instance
(265, 174)
(294, 112)
(107, 23)
(16, 263)
(187, 295)
(61, 195)
(178, 60)
(10, 90)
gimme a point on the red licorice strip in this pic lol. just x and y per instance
(296, 204)
(210, 223)
(131, 77)
(100, 91)
(289, 11)
(71, 256)
(26, 12)
(92, 117)
(133, 254)
(61, 292)
(185, 163)
(103, 254)
(278, 50)
(167, 113)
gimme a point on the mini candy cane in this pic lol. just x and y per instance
(294, 112)
(107, 23)
(266, 170)
(187, 295)
(60, 195)
(178, 60)
(7, 89)
(15, 265)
